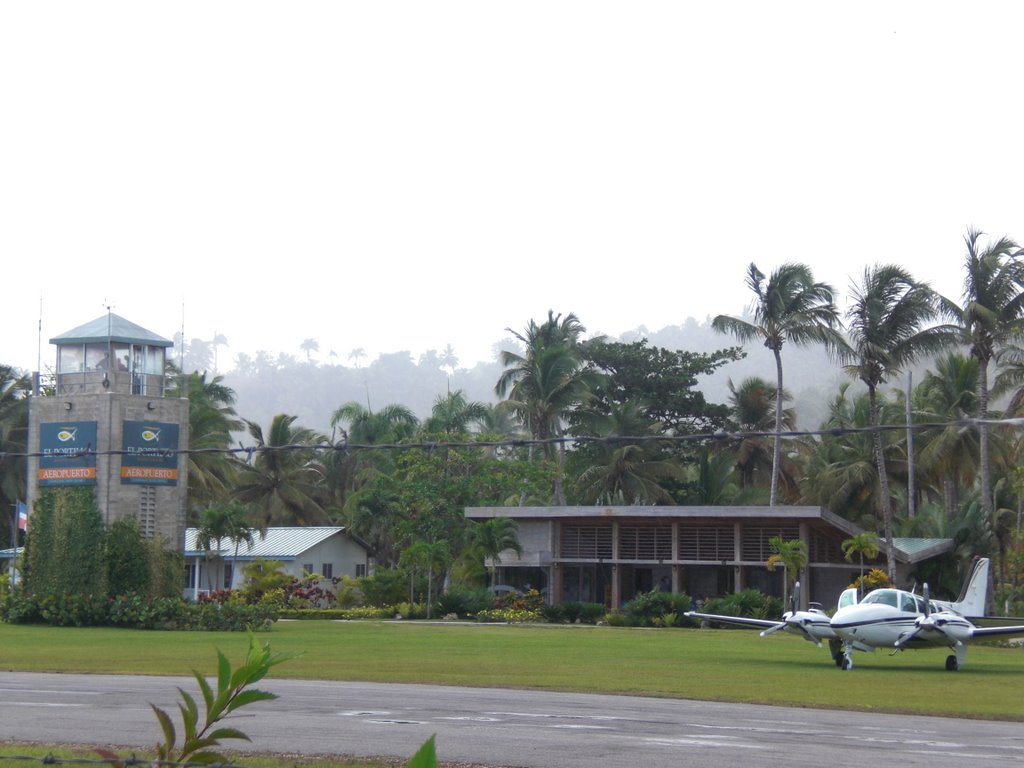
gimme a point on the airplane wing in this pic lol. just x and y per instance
(741, 620)
(996, 631)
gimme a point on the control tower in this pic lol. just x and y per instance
(103, 421)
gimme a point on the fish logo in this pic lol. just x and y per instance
(150, 435)
(67, 434)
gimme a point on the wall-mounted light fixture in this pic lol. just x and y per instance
(68, 406)
(150, 406)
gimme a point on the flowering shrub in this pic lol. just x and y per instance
(509, 615)
(531, 600)
(876, 578)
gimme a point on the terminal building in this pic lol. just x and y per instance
(102, 420)
(611, 554)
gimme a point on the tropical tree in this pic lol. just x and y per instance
(453, 414)
(752, 413)
(211, 468)
(214, 527)
(618, 465)
(489, 538)
(365, 426)
(788, 306)
(990, 317)
(863, 544)
(224, 521)
(356, 355)
(948, 398)
(449, 360)
(842, 473)
(792, 556)
(354, 467)
(283, 481)
(309, 346)
(544, 381)
(428, 556)
(887, 329)
(14, 391)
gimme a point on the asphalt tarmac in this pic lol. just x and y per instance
(498, 727)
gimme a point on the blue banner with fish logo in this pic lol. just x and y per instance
(68, 453)
(150, 453)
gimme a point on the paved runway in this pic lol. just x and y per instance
(497, 727)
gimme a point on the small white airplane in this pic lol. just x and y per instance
(891, 618)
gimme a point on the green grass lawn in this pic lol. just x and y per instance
(721, 665)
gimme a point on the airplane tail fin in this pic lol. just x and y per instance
(975, 591)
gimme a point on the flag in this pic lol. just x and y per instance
(22, 516)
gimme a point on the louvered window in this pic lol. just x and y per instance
(707, 543)
(645, 542)
(755, 547)
(586, 542)
(147, 511)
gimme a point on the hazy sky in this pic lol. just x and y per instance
(406, 175)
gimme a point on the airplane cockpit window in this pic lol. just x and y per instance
(883, 597)
(911, 603)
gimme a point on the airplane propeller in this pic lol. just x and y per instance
(924, 622)
(790, 619)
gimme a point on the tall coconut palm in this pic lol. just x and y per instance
(950, 454)
(283, 483)
(545, 380)
(991, 315)
(788, 306)
(887, 325)
(212, 419)
(752, 410)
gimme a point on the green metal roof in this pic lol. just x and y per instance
(111, 328)
(921, 549)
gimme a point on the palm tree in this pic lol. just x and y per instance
(449, 359)
(792, 556)
(788, 306)
(365, 426)
(219, 340)
(842, 473)
(14, 394)
(950, 454)
(753, 406)
(284, 480)
(991, 316)
(453, 414)
(356, 355)
(489, 538)
(863, 544)
(546, 380)
(430, 556)
(223, 521)
(360, 426)
(887, 330)
(211, 469)
(618, 467)
(309, 346)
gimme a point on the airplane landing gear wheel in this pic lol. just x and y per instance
(846, 663)
(951, 663)
(839, 660)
